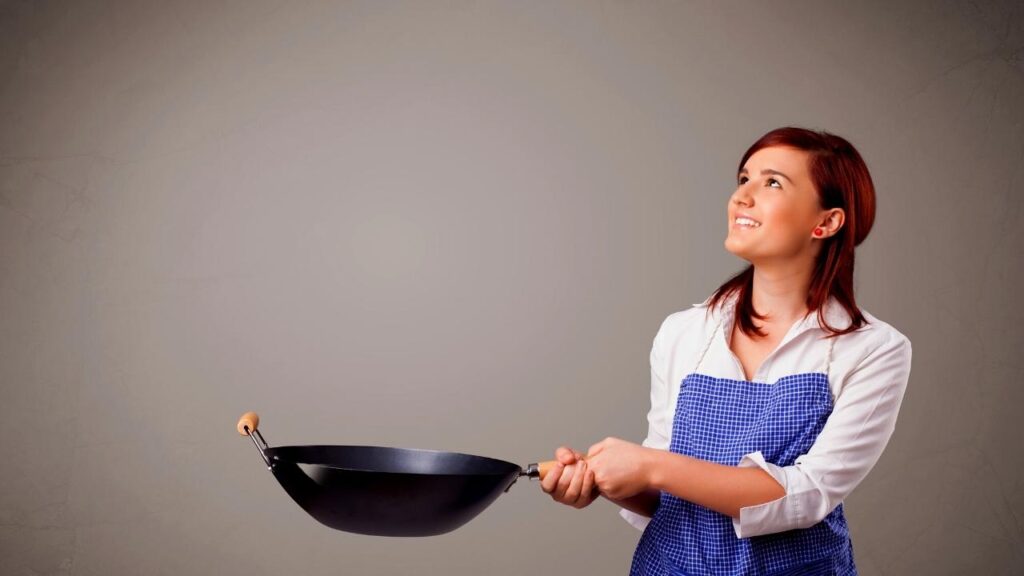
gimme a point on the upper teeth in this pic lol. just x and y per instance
(747, 222)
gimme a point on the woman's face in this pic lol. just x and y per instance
(774, 189)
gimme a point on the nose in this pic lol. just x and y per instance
(741, 196)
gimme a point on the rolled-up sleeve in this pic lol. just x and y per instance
(658, 417)
(851, 442)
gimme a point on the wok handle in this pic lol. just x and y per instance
(250, 420)
(541, 469)
(247, 426)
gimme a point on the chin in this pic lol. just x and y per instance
(738, 252)
(731, 248)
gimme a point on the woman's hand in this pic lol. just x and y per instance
(621, 469)
(570, 481)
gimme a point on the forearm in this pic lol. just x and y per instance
(722, 488)
(644, 503)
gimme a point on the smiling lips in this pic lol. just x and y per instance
(745, 222)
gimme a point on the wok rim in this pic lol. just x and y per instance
(272, 452)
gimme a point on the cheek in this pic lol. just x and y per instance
(790, 221)
(789, 230)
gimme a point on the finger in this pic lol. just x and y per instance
(597, 469)
(565, 455)
(563, 483)
(586, 494)
(572, 494)
(596, 449)
(551, 478)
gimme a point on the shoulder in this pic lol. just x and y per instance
(876, 355)
(878, 335)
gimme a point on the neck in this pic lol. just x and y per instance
(781, 291)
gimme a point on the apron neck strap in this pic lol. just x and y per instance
(708, 344)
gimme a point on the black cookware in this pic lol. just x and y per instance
(388, 491)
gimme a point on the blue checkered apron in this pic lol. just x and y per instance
(720, 420)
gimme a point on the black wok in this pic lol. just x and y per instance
(388, 491)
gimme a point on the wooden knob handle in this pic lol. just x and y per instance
(250, 420)
(544, 467)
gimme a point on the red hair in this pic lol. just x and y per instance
(842, 180)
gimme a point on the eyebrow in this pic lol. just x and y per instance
(766, 171)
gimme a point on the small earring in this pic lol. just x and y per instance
(817, 232)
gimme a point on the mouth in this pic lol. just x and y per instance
(744, 223)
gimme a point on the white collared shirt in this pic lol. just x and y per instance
(868, 373)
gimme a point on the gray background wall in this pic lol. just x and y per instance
(457, 225)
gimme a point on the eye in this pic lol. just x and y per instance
(743, 179)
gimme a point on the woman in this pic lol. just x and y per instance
(772, 399)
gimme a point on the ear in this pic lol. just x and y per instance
(831, 221)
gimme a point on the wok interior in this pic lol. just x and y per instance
(378, 459)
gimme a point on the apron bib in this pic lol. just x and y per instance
(720, 420)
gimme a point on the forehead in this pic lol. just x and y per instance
(791, 161)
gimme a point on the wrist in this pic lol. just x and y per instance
(652, 472)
